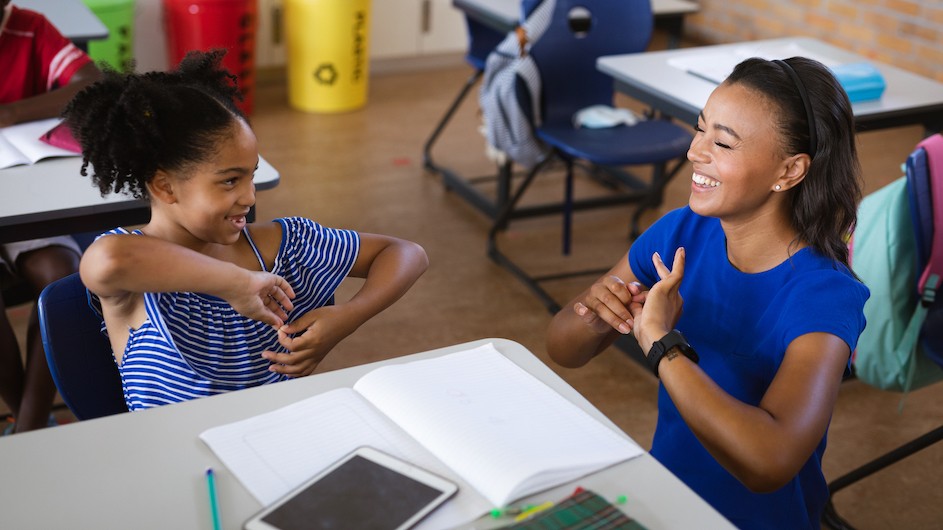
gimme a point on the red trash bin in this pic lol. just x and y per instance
(208, 24)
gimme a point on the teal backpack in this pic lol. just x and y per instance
(897, 253)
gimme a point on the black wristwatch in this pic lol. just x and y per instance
(674, 339)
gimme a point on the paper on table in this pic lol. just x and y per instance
(472, 416)
(715, 66)
(20, 144)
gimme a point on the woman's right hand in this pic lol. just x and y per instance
(263, 296)
(609, 304)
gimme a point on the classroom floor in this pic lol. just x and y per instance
(363, 170)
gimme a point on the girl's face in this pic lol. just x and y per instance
(736, 154)
(215, 196)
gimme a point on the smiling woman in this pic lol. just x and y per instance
(750, 370)
(198, 301)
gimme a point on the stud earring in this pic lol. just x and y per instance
(778, 187)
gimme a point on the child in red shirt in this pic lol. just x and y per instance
(42, 70)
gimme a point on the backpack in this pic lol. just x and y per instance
(897, 251)
(510, 94)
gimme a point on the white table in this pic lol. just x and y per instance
(146, 469)
(504, 15)
(71, 17)
(648, 77)
(51, 198)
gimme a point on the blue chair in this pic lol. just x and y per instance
(581, 31)
(79, 355)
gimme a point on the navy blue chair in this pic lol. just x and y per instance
(78, 354)
(579, 33)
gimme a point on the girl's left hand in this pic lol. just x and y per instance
(309, 339)
(663, 305)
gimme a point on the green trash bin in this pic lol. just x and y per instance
(117, 51)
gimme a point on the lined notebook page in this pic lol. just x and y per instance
(273, 453)
(497, 426)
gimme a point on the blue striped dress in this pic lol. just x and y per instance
(194, 345)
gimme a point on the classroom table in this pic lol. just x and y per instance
(71, 17)
(52, 198)
(504, 15)
(655, 79)
(146, 469)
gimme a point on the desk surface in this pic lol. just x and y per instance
(503, 15)
(51, 197)
(648, 77)
(71, 17)
(146, 469)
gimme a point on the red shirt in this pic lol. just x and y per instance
(34, 57)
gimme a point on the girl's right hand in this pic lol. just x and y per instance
(609, 304)
(264, 296)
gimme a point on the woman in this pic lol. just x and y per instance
(750, 375)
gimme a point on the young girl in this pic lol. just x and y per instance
(198, 301)
(750, 371)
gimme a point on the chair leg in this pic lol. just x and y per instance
(568, 208)
(830, 516)
(500, 223)
(427, 148)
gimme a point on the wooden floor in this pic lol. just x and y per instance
(363, 170)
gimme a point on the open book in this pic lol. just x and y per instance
(473, 416)
(20, 144)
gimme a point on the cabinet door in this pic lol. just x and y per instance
(395, 28)
(270, 34)
(443, 28)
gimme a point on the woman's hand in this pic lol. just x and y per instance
(662, 305)
(309, 339)
(610, 304)
(264, 296)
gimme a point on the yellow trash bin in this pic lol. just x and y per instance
(328, 67)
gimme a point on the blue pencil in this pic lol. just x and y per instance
(214, 503)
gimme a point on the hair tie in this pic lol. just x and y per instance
(813, 140)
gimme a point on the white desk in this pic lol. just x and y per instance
(51, 198)
(71, 17)
(146, 469)
(504, 15)
(648, 77)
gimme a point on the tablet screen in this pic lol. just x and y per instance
(360, 493)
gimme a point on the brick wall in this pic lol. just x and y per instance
(905, 33)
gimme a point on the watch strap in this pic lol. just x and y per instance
(673, 339)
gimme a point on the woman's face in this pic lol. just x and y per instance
(736, 154)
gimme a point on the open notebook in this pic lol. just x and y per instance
(473, 416)
(23, 143)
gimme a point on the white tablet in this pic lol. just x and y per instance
(366, 490)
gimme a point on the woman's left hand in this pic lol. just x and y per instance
(309, 339)
(663, 305)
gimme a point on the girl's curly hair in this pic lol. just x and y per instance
(131, 125)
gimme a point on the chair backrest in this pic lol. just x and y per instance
(79, 355)
(481, 40)
(567, 58)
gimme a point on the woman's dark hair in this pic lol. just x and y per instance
(131, 125)
(825, 204)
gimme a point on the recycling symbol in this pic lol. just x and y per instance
(326, 74)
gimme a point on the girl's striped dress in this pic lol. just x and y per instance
(194, 345)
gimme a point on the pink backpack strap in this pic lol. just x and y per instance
(931, 277)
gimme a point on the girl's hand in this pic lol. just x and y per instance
(308, 340)
(609, 305)
(663, 305)
(264, 296)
